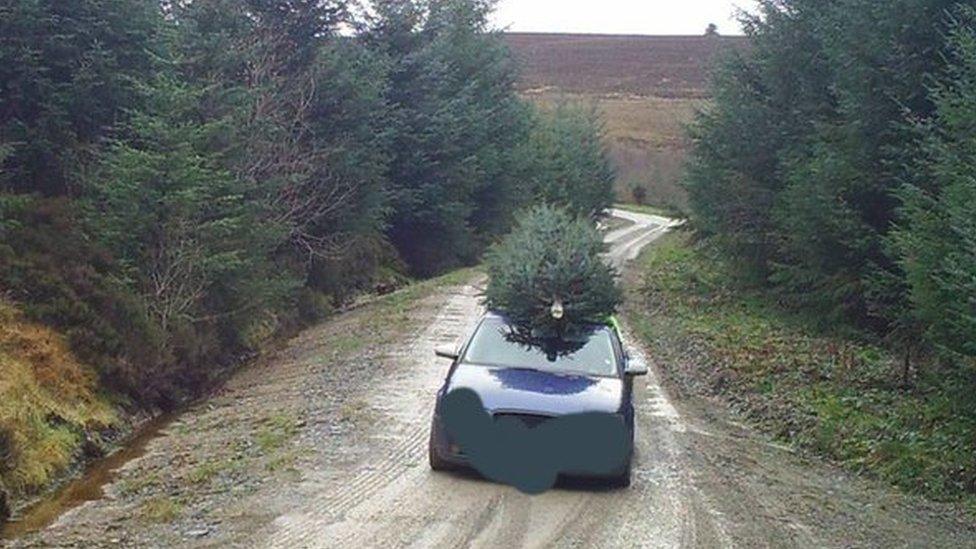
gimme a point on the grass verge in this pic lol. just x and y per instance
(834, 394)
(50, 404)
(649, 210)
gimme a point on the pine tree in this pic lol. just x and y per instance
(548, 276)
(566, 161)
(69, 71)
(457, 122)
(190, 244)
(936, 238)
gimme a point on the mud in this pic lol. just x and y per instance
(90, 486)
(4, 508)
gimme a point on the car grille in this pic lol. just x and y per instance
(530, 420)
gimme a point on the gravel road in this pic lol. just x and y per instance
(356, 423)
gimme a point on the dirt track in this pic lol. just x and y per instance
(352, 453)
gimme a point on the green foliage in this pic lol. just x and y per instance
(303, 118)
(48, 264)
(827, 391)
(182, 181)
(350, 130)
(566, 161)
(552, 257)
(457, 122)
(799, 161)
(836, 167)
(936, 239)
(69, 71)
(187, 241)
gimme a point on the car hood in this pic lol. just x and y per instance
(533, 392)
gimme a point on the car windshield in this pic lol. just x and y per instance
(588, 353)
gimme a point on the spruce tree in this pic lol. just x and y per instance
(189, 242)
(69, 71)
(797, 159)
(548, 276)
(936, 237)
(457, 122)
(566, 161)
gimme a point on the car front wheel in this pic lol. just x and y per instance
(437, 463)
(623, 480)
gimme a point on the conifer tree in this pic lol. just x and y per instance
(70, 70)
(566, 161)
(549, 275)
(457, 121)
(798, 159)
(189, 242)
(936, 238)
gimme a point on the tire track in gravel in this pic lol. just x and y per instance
(406, 410)
(361, 478)
(695, 483)
(394, 500)
(663, 508)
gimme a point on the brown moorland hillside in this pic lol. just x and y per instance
(659, 66)
(647, 87)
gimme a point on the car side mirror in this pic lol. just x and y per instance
(636, 367)
(446, 352)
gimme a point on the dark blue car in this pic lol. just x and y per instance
(588, 374)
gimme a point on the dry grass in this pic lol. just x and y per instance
(649, 145)
(276, 432)
(47, 401)
(654, 122)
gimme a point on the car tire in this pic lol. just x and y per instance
(623, 480)
(437, 463)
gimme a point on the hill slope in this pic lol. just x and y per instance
(658, 66)
(647, 87)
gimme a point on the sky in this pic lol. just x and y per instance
(619, 16)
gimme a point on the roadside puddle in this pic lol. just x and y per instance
(90, 486)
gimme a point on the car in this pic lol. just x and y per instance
(538, 381)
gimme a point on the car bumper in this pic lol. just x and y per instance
(446, 450)
(453, 454)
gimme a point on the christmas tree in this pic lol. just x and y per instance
(548, 276)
